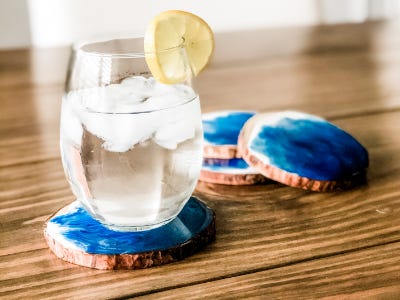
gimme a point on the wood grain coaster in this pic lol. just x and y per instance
(74, 236)
(221, 130)
(304, 151)
(304, 183)
(220, 152)
(229, 172)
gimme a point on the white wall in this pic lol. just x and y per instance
(47, 23)
(347, 11)
(14, 24)
(59, 22)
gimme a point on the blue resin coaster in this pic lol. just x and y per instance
(73, 235)
(233, 171)
(221, 131)
(303, 150)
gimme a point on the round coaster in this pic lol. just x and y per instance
(221, 131)
(303, 150)
(233, 171)
(74, 236)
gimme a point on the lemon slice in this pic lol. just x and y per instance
(167, 36)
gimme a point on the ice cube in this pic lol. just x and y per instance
(134, 111)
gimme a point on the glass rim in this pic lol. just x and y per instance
(186, 101)
(77, 47)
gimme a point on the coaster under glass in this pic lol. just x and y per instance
(75, 236)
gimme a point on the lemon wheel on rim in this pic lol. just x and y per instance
(167, 35)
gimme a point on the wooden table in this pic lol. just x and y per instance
(272, 241)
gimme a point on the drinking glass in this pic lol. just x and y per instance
(131, 146)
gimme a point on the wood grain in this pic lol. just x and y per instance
(363, 274)
(271, 239)
(279, 225)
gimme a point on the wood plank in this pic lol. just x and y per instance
(325, 84)
(330, 85)
(250, 45)
(29, 106)
(14, 68)
(264, 226)
(372, 273)
(319, 84)
(29, 124)
(30, 67)
(270, 238)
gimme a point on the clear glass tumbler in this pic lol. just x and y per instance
(131, 147)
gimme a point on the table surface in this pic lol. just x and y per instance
(272, 241)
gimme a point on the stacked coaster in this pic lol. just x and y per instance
(222, 163)
(301, 150)
(221, 131)
(234, 171)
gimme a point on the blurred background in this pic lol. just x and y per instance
(52, 23)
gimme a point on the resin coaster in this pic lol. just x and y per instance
(303, 151)
(74, 236)
(221, 131)
(233, 171)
